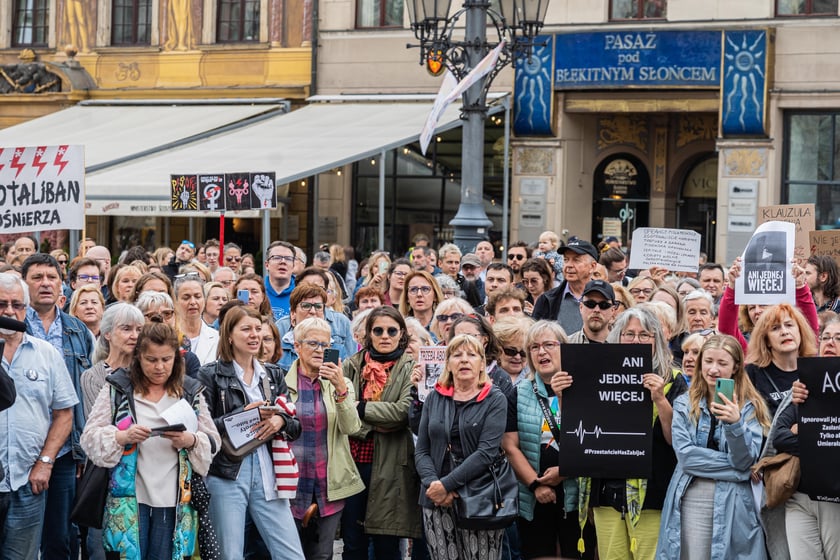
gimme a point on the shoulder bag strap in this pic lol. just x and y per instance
(770, 379)
(266, 386)
(549, 417)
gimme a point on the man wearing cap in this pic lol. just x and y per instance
(563, 302)
(471, 269)
(597, 308)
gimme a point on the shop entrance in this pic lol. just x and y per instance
(621, 198)
(698, 202)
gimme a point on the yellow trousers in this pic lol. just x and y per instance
(617, 540)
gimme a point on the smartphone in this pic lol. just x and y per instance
(243, 295)
(173, 428)
(725, 387)
(383, 267)
(331, 355)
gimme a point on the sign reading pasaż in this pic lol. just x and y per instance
(819, 428)
(606, 414)
(223, 191)
(42, 188)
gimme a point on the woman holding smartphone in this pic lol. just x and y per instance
(709, 511)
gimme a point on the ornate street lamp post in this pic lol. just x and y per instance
(517, 22)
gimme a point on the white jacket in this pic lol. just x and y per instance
(206, 344)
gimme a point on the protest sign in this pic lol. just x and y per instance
(765, 268)
(606, 414)
(825, 243)
(220, 192)
(819, 428)
(432, 360)
(211, 192)
(800, 215)
(184, 192)
(240, 426)
(677, 250)
(42, 188)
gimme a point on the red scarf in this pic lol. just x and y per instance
(375, 375)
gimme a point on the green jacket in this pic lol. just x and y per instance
(394, 491)
(343, 478)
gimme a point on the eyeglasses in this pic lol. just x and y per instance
(641, 336)
(165, 313)
(16, 305)
(824, 338)
(308, 306)
(281, 258)
(379, 331)
(226, 283)
(547, 346)
(233, 259)
(512, 352)
(62, 262)
(637, 291)
(400, 274)
(446, 318)
(315, 344)
(532, 281)
(602, 305)
(414, 290)
(516, 257)
(188, 243)
(187, 275)
(707, 332)
(88, 277)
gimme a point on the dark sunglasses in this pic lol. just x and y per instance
(452, 317)
(512, 352)
(602, 305)
(378, 331)
(516, 257)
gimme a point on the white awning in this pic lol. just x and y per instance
(300, 144)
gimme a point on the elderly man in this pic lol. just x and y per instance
(597, 308)
(25, 246)
(74, 343)
(34, 428)
(563, 302)
(699, 311)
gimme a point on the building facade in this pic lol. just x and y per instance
(663, 113)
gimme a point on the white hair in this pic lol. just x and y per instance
(10, 281)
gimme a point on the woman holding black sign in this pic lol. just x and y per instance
(709, 511)
(812, 527)
(548, 503)
(627, 511)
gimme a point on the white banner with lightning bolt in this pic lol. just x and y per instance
(42, 188)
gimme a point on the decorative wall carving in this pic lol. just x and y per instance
(660, 159)
(745, 162)
(30, 77)
(623, 129)
(694, 128)
(534, 161)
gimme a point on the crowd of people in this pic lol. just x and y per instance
(345, 437)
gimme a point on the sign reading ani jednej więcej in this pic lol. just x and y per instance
(606, 415)
(42, 188)
(819, 428)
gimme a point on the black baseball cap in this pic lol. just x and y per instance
(581, 247)
(601, 287)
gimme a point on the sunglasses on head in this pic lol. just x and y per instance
(379, 331)
(592, 304)
(512, 352)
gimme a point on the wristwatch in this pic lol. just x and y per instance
(534, 485)
(46, 459)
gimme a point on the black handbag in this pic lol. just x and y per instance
(91, 493)
(490, 501)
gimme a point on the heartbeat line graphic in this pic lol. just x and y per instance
(581, 432)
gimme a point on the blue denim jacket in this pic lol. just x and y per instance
(341, 337)
(78, 351)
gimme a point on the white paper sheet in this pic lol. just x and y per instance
(238, 426)
(181, 413)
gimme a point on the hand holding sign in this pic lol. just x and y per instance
(765, 279)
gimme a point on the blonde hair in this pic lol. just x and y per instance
(759, 351)
(445, 379)
(508, 328)
(447, 307)
(744, 389)
(552, 238)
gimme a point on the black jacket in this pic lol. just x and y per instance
(547, 305)
(225, 396)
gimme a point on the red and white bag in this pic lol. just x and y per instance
(285, 464)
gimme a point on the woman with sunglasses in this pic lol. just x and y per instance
(383, 449)
(513, 360)
(446, 313)
(548, 521)
(249, 485)
(158, 307)
(729, 313)
(627, 512)
(420, 297)
(307, 300)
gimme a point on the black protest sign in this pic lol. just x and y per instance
(606, 415)
(263, 193)
(184, 192)
(238, 191)
(819, 428)
(211, 192)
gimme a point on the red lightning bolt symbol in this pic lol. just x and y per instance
(36, 160)
(59, 161)
(16, 161)
(2, 165)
